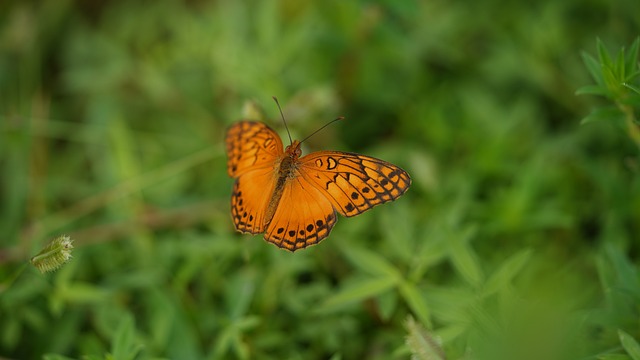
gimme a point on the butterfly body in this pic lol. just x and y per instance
(287, 171)
(294, 200)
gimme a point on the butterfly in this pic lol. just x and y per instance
(294, 200)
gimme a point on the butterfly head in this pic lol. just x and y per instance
(294, 149)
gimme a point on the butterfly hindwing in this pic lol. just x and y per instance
(354, 183)
(250, 199)
(251, 145)
(304, 216)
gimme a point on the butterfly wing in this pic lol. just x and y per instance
(251, 145)
(326, 182)
(354, 183)
(304, 216)
(254, 152)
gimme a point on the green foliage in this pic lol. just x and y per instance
(517, 240)
(617, 80)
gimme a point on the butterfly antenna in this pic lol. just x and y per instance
(325, 125)
(282, 115)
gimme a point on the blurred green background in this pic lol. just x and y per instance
(519, 238)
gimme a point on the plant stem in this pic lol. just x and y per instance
(633, 128)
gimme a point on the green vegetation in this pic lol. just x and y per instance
(519, 238)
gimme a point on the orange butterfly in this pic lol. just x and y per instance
(293, 200)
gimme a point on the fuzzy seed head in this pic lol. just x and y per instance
(54, 255)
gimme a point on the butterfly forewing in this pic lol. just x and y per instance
(253, 151)
(251, 145)
(354, 183)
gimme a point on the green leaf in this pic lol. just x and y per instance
(123, 345)
(387, 304)
(464, 259)
(632, 59)
(416, 302)
(626, 273)
(359, 291)
(594, 67)
(614, 357)
(630, 345)
(239, 294)
(605, 113)
(611, 79)
(632, 88)
(509, 269)
(619, 67)
(603, 54)
(593, 90)
(55, 357)
(370, 262)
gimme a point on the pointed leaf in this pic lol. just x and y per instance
(626, 273)
(55, 357)
(593, 90)
(594, 67)
(603, 54)
(605, 113)
(123, 348)
(611, 79)
(505, 274)
(464, 258)
(359, 291)
(370, 262)
(387, 304)
(633, 74)
(630, 345)
(632, 88)
(620, 70)
(632, 56)
(614, 357)
(416, 302)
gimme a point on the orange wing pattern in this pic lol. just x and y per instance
(328, 181)
(250, 199)
(294, 201)
(354, 183)
(304, 216)
(251, 145)
(253, 151)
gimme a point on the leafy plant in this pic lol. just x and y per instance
(618, 80)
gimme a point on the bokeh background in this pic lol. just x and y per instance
(519, 238)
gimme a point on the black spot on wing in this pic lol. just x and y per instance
(349, 207)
